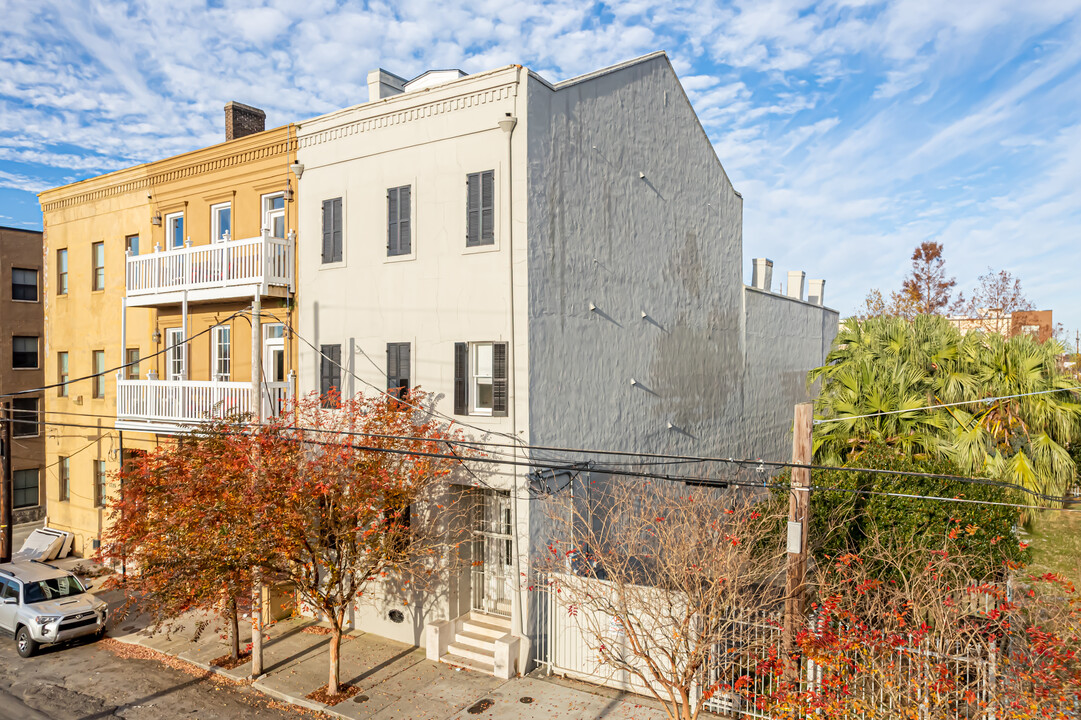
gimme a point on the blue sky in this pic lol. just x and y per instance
(854, 129)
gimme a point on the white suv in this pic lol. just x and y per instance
(43, 604)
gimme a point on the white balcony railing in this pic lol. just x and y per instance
(261, 260)
(186, 402)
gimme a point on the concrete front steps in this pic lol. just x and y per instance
(474, 645)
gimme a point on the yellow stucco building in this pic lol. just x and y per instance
(156, 268)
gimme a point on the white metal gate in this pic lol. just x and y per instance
(493, 554)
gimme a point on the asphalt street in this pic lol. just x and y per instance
(89, 681)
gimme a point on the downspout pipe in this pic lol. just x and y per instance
(507, 125)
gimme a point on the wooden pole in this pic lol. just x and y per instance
(257, 413)
(799, 516)
(6, 489)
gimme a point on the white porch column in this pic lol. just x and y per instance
(256, 358)
(184, 337)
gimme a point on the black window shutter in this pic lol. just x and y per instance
(461, 386)
(336, 242)
(393, 380)
(499, 379)
(392, 223)
(329, 372)
(487, 208)
(472, 230)
(403, 366)
(405, 244)
(328, 230)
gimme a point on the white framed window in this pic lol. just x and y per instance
(274, 352)
(481, 371)
(274, 214)
(174, 231)
(97, 272)
(221, 361)
(174, 353)
(221, 222)
(480, 378)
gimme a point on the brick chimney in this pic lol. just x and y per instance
(241, 120)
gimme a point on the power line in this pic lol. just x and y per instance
(120, 367)
(937, 497)
(580, 467)
(985, 401)
(667, 459)
(519, 444)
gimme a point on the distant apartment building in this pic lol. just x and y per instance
(560, 265)
(150, 277)
(22, 332)
(1035, 323)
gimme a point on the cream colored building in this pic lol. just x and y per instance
(150, 277)
(561, 265)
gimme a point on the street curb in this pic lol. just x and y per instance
(255, 684)
(302, 702)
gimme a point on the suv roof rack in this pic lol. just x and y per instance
(48, 565)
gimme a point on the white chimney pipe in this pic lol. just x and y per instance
(815, 292)
(382, 84)
(761, 273)
(795, 284)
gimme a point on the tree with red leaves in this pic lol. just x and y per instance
(926, 291)
(927, 288)
(352, 504)
(347, 503)
(181, 528)
(933, 642)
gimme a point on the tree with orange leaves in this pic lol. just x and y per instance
(182, 529)
(347, 503)
(353, 505)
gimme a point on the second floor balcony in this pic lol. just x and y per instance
(231, 269)
(174, 406)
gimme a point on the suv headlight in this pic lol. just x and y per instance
(46, 619)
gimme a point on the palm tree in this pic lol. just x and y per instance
(1019, 413)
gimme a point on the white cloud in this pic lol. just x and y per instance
(854, 128)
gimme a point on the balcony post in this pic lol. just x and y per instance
(257, 411)
(123, 332)
(183, 340)
(256, 357)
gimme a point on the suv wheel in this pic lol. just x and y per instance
(25, 644)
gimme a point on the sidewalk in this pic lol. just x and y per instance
(395, 680)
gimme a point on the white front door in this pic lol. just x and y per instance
(493, 554)
(175, 369)
(221, 353)
(274, 214)
(274, 352)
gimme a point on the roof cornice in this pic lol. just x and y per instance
(278, 141)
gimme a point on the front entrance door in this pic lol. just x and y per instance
(175, 355)
(493, 554)
(274, 396)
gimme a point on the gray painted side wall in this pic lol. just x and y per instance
(668, 244)
(785, 338)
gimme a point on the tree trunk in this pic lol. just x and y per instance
(333, 683)
(234, 630)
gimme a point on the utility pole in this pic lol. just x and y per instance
(6, 489)
(257, 417)
(799, 517)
